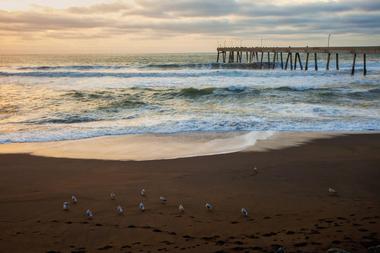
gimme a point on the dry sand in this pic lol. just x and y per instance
(287, 200)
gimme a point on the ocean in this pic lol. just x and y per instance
(68, 97)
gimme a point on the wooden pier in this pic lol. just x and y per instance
(274, 56)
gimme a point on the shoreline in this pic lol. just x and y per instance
(144, 147)
(288, 201)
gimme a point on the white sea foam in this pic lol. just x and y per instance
(53, 98)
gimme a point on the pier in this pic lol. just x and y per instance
(270, 57)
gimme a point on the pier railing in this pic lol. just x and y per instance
(255, 55)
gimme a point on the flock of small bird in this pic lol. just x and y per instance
(120, 211)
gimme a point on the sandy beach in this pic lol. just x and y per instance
(288, 201)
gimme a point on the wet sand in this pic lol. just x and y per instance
(143, 147)
(287, 200)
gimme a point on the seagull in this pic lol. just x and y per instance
(113, 195)
(141, 206)
(244, 212)
(119, 210)
(181, 208)
(163, 200)
(142, 192)
(332, 191)
(66, 206)
(209, 206)
(89, 214)
(74, 199)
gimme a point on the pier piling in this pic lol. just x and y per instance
(291, 61)
(328, 61)
(353, 65)
(252, 56)
(337, 61)
(315, 62)
(286, 62)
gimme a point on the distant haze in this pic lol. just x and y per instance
(148, 26)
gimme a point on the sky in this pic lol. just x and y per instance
(155, 26)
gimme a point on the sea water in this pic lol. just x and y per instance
(68, 97)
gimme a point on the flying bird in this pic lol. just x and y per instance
(163, 200)
(244, 212)
(66, 206)
(89, 214)
(74, 199)
(119, 210)
(141, 206)
(209, 206)
(113, 195)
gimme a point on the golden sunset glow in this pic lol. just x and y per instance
(137, 26)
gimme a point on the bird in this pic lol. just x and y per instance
(141, 206)
(119, 210)
(163, 200)
(74, 199)
(255, 170)
(244, 212)
(332, 191)
(142, 192)
(113, 195)
(181, 208)
(66, 206)
(209, 206)
(280, 250)
(89, 214)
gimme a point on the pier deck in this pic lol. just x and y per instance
(275, 56)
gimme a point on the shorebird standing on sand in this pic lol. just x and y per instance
(209, 206)
(244, 212)
(181, 209)
(66, 206)
(142, 192)
(119, 210)
(113, 195)
(332, 191)
(163, 200)
(255, 170)
(141, 206)
(89, 214)
(74, 199)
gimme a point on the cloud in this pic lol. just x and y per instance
(208, 18)
(100, 8)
